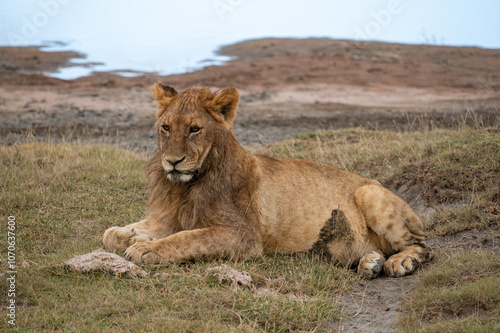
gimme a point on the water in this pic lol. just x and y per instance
(166, 37)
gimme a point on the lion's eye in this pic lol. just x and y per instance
(195, 129)
(166, 128)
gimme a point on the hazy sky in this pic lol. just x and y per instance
(173, 36)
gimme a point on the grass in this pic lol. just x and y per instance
(64, 196)
(460, 293)
(185, 301)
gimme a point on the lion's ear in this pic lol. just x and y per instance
(225, 102)
(163, 95)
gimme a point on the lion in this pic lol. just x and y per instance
(210, 198)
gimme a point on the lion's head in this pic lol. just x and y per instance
(189, 124)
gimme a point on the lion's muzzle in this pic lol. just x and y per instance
(176, 169)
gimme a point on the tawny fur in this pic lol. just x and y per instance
(208, 197)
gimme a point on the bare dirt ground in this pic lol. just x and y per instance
(287, 87)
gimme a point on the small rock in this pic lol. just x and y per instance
(225, 273)
(106, 262)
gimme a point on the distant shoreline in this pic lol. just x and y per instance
(53, 61)
(276, 61)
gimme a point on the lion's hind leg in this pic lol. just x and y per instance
(397, 230)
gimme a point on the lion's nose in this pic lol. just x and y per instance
(175, 161)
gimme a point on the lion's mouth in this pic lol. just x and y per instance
(182, 176)
(175, 171)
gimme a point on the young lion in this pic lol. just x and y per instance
(208, 197)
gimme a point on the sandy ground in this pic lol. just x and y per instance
(287, 86)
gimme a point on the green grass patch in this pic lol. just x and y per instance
(460, 293)
(187, 300)
(63, 195)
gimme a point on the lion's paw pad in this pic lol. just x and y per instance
(119, 238)
(143, 252)
(399, 265)
(371, 265)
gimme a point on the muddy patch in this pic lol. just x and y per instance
(374, 306)
(468, 240)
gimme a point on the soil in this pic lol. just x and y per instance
(287, 86)
(374, 306)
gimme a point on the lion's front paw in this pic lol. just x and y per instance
(119, 238)
(371, 264)
(146, 252)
